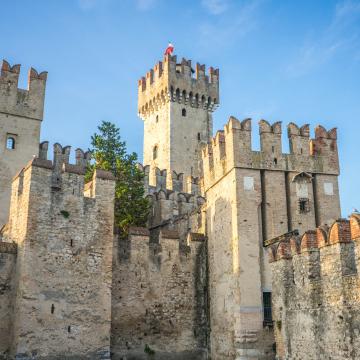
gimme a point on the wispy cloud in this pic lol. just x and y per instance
(215, 7)
(88, 4)
(341, 34)
(346, 10)
(230, 27)
(145, 5)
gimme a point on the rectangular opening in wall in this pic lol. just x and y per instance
(268, 321)
(304, 205)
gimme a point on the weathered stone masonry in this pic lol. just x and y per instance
(316, 292)
(61, 296)
(250, 197)
(192, 285)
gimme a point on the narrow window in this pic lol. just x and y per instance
(275, 161)
(303, 205)
(71, 243)
(273, 149)
(69, 329)
(199, 136)
(267, 308)
(10, 143)
(157, 118)
(183, 112)
(52, 308)
(155, 152)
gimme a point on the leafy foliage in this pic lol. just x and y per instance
(109, 153)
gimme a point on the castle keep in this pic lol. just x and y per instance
(197, 282)
(176, 108)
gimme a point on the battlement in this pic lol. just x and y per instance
(159, 287)
(291, 244)
(315, 281)
(172, 81)
(232, 148)
(156, 179)
(28, 103)
(59, 174)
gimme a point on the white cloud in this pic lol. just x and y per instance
(215, 7)
(231, 27)
(345, 9)
(145, 5)
(88, 4)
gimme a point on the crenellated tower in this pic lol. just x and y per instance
(176, 104)
(252, 197)
(21, 114)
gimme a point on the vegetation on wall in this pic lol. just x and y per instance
(109, 153)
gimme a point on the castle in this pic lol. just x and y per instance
(196, 283)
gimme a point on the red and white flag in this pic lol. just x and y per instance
(169, 50)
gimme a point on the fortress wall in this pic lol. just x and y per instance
(316, 292)
(159, 297)
(64, 267)
(175, 203)
(7, 269)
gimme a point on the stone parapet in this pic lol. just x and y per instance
(172, 81)
(27, 103)
(316, 287)
(231, 148)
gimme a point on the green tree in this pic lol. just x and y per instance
(109, 153)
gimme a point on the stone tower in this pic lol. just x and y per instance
(21, 114)
(176, 108)
(252, 197)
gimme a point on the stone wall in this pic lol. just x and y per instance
(316, 292)
(21, 113)
(62, 303)
(7, 266)
(159, 297)
(175, 202)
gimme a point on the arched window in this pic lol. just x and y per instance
(183, 112)
(155, 152)
(10, 143)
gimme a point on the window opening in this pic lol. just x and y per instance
(183, 112)
(10, 143)
(155, 152)
(267, 308)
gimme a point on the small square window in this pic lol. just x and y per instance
(10, 142)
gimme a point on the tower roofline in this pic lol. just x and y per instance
(174, 81)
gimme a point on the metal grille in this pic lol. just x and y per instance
(267, 309)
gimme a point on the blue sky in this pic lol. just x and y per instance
(279, 60)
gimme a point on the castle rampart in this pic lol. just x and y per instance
(64, 261)
(232, 148)
(159, 296)
(316, 290)
(172, 207)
